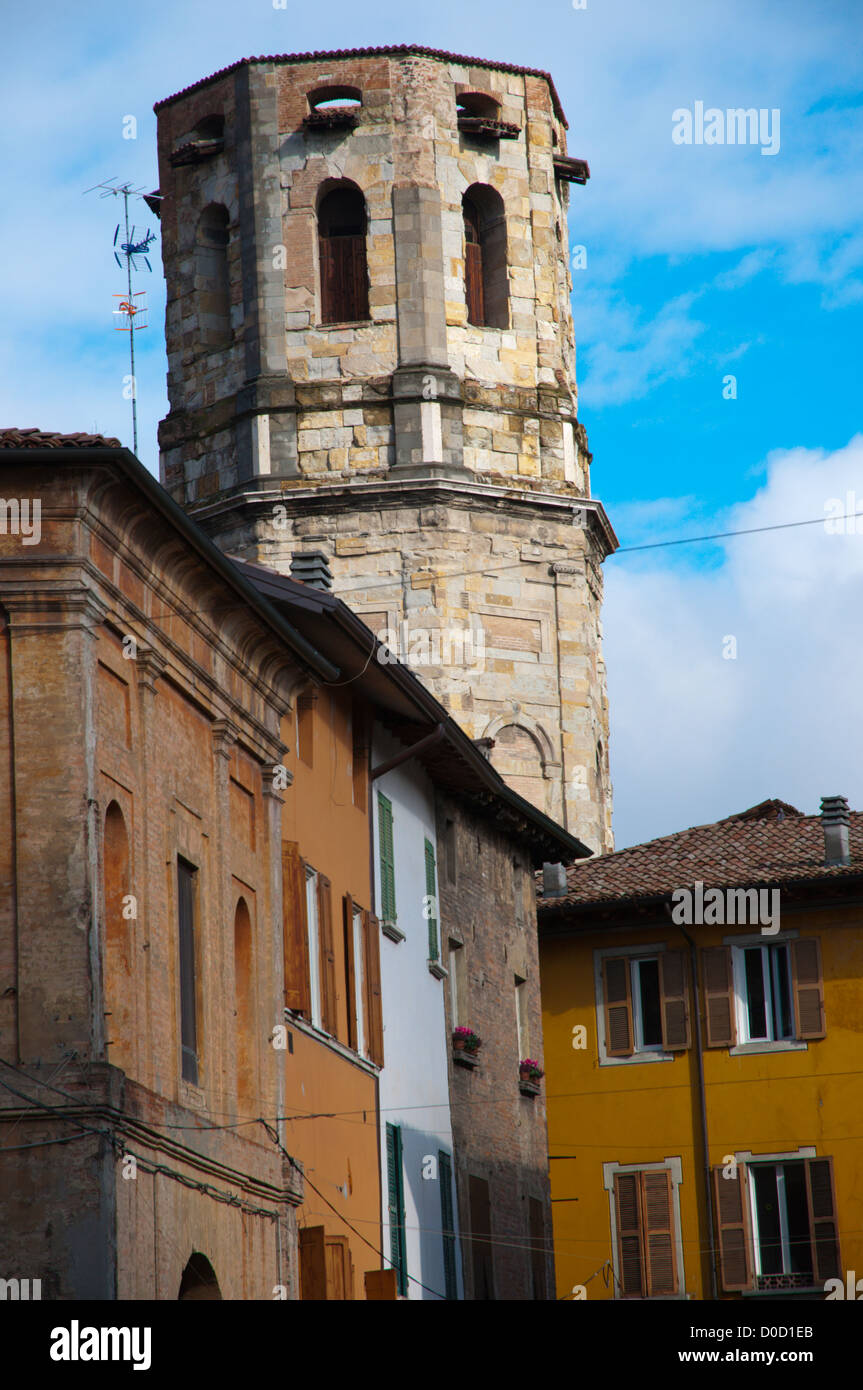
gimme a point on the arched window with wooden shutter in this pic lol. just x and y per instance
(342, 254)
(118, 983)
(244, 1009)
(485, 265)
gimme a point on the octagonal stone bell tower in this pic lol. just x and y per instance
(371, 354)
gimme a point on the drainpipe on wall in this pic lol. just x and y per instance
(702, 1098)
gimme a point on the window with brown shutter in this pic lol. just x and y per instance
(646, 1237)
(329, 1018)
(617, 1001)
(342, 255)
(295, 931)
(627, 1206)
(482, 1257)
(353, 1002)
(808, 987)
(339, 1266)
(823, 1225)
(313, 1263)
(719, 997)
(674, 986)
(732, 1223)
(372, 973)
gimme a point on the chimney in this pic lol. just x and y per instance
(312, 567)
(554, 883)
(835, 818)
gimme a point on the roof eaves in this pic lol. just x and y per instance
(137, 474)
(386, 51)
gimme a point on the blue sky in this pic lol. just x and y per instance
(702, 261)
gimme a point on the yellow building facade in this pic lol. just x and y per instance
(703, 1024)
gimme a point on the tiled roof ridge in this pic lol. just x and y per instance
(386, 50)
(13, 437)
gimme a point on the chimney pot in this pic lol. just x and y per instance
(312, 567)
(836, 819)
(554, 883)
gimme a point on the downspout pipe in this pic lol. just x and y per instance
(702, 1098)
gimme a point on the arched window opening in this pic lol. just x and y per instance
(477, 104)
(205, 140)
(199, 1281)
(485, 268)
(325, 98)
(118, 940)
(212, 275)
(342, 252)
(244, 1009)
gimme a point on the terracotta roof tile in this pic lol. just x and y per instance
(390, 50)
(49, 439)
(769, 843)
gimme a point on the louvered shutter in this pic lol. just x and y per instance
(431, 892)
(295, 931)
(674, 988)
(313, 1263)
(735, 1263)
(822, 1218)
(353, 1003)
(719, 996)
(473, 283)
(447, 1224)
(808, 987)
(387, 858)
(327, 955)
(396, 1206)
(372, 977)
(617, 999)
(660, 1262)
(627, 1206)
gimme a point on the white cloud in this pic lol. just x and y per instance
(695, 736)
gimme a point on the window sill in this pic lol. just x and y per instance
(436, 969)
(347, 323)
(303, 1025)
(466, 1059)
(784, 1045)
(637, 1058)
(192, 1095)
(392, 931)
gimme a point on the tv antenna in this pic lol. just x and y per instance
(132, 307)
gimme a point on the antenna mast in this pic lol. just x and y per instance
(134, 313)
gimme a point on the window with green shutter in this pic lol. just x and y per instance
(447, 1223)
(431, 895)
(388, 870)
(396, 1206)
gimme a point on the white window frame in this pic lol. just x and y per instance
(638, 1057)
(457, 982)
(359, 980)
(521, 1017)
(744, 1043)
(314, 946)
(748, 1160)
